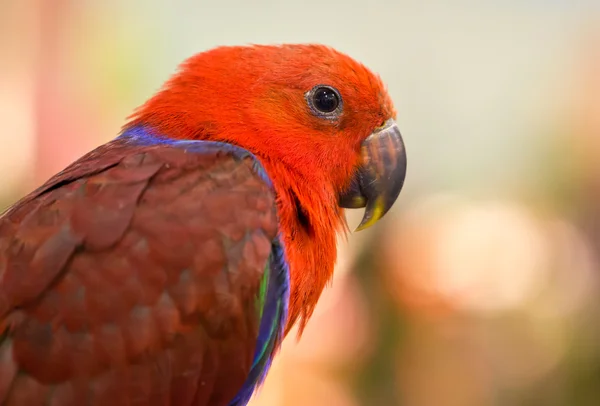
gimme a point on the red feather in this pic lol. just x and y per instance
(254, 97)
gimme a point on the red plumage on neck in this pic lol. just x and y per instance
(309, 218)
(254, 97)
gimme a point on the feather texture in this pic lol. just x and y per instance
(256, 97)
(165, 267)
(133, 277)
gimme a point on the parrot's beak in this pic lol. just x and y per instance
(380, 176)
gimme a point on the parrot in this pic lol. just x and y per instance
(166, 266)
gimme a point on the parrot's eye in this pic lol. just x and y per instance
(324, 101)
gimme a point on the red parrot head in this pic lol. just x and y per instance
(322, 125)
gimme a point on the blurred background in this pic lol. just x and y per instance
(483, 285)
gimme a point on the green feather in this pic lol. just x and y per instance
(262, 292)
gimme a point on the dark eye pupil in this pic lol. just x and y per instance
(325, 100)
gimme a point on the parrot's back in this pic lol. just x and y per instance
(149, 272)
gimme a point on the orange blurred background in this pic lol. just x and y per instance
(483, 286)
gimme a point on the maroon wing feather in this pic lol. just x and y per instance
(130, 279)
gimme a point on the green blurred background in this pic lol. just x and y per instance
(483, 286)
